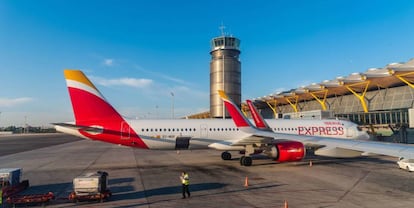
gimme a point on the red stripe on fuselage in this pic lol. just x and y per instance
(91, 110)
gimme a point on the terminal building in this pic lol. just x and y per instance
(380, 100)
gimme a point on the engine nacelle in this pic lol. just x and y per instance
(287, 151)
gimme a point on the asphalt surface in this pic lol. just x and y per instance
(145, 178)
(10, 144)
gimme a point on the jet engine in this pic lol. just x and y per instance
(286, 151)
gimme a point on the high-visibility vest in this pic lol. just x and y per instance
(185, 179)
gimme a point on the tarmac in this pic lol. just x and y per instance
(148, 178)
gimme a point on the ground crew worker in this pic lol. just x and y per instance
(185, 181)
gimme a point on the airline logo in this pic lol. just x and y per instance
(321, 130)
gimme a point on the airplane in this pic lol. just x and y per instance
(292, 147)
(96, 119)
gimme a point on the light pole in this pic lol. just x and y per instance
(172, 105)
(224, 89)
(25, 124)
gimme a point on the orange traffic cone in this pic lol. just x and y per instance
(246, 182)
(286, 204)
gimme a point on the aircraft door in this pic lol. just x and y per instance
(125, 131)
(203, 131)
(350, 132)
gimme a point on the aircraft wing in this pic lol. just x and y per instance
(362, 146)
(354, 147)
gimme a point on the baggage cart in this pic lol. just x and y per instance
(90, 186)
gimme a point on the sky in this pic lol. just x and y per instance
(147, 56)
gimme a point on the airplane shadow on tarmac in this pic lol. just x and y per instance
(62, 190)
(194, 188)
(119, 192)
(128, 192)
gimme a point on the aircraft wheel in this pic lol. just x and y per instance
(242, 160)
(226, 156)
(248, 161)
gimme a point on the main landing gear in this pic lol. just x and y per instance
(226, 156)
(246, 161)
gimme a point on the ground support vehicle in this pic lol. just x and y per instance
(90, 197)
(31, 199)
(90, 186)
(9, 191)
(407, 164)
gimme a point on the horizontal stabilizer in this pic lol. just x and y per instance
(91, 129)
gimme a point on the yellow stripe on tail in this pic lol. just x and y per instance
(77, 75)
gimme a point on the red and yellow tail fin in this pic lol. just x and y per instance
(91, 109)
(89, 106)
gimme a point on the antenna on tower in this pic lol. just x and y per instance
(222, 27)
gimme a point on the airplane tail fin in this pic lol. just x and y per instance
(89, 105)
(95, 118)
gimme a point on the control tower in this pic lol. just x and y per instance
(225, 73)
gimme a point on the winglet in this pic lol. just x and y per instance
(257, 118)
(223, 95)
(239, 119)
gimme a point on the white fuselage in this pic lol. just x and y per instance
(163, 134)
